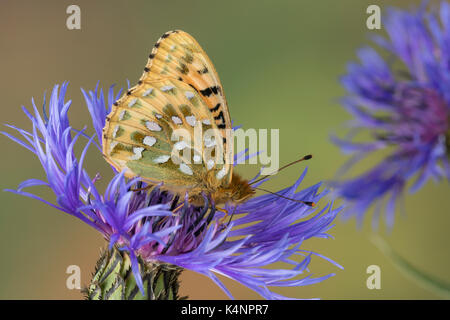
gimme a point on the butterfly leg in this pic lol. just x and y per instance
(221, 220)
(174, 214)
(179, 207)
(231, 217)
(143, 189)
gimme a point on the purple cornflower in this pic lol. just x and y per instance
(267, 229)
(403, 102)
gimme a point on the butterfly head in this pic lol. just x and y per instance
(237, 191)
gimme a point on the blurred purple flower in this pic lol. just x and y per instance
(403, 102)
(267, 229)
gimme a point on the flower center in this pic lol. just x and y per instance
(421, 114)
(447, 142)
(194, 221)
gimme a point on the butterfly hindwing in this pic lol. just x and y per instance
(139, 129)
(179, 89)
(178, 55)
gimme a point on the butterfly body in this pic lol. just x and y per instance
(179, 92)
(237, 191)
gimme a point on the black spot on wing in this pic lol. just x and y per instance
(188, 58)
(203, 71)
(183, 68)
(215, 108)
(220, 117)
(209, 91)
(194, 88)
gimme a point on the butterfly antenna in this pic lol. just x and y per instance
(308, 203)
(307, 157)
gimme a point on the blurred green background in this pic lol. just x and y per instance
(279, 62)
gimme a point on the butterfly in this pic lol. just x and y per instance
(179, 90)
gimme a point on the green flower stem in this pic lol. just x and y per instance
(427, 281)
(113, 279)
